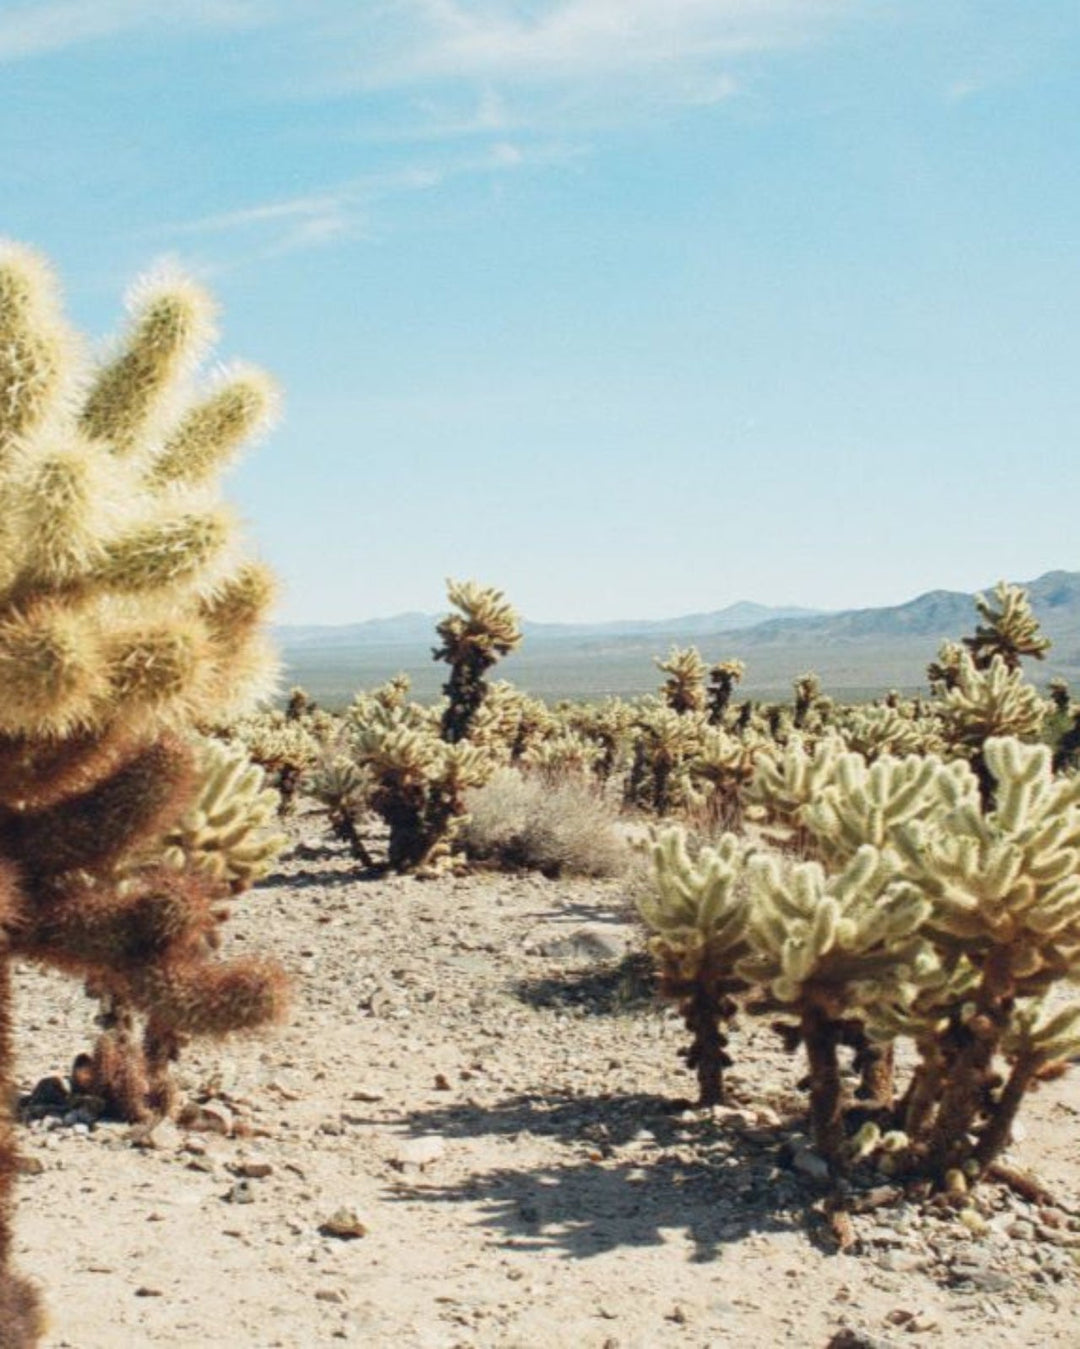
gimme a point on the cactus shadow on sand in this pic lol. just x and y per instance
(636, 1175)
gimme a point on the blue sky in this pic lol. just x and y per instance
(629, 307)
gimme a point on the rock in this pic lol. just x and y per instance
(587, 943)
(253, 1168)
(240, 1193)
(50, 1093)
(979, 1275)
(847, 1338)
(807, 1162)
(26, 1164)
(211, 1118)
(344, 1223)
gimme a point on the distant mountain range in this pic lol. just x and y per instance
(410, 628)
(857, 652)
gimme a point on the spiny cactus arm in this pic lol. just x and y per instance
(486, 623)
(39, 359)
(243, 406)
(701, 894)
(210, 998)
(171, 326)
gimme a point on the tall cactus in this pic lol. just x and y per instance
(125, 617)
(684, 689)
(484, 629)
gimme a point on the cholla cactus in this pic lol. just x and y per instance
(788, 780)
(286, 748)
(723, 676)
(485, 629)
(343, 788)
(824, 946)
(889, 729)
(942, 674)
(684, 689)
(228, 830)
(716, 777)
(698, 912)
(508, 723)
(995, 701)
(565, 754)
(665, 743)
(125, 616)
(808, 699)
(1010, 630)
(866, 803)
(608, 724)
(1005, 890)
(418, 786)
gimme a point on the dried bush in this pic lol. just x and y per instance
(561, 827)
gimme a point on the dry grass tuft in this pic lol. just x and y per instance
(560, 827)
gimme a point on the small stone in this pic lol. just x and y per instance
(442, 1082)
(899, 1316)
(344, 1223)
(240, 1193)
(809, 1164)
(143, 1291)
(329, 1295)
(211, 1118)
(26, 1164)
(254, 1168)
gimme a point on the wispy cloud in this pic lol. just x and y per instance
(29, 30)
(564, 39)
(296, 224)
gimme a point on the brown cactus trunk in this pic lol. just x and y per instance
(821, 1036)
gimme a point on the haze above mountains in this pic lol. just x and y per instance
(858, 653)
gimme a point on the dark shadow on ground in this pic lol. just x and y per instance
(636, 1175)
(305, 880)
(628, 986)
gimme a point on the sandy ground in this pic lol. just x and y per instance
(467, 1075)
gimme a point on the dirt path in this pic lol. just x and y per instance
(462, 1075)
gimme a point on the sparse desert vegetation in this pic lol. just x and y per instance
(865, 917)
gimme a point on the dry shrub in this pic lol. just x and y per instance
(558, 827)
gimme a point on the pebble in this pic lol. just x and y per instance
(344, 1223)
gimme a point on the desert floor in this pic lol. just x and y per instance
(472, 1080)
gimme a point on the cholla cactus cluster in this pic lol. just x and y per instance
(921, 913)
(127, 614)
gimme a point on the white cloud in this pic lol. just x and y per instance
(28, 30)
(564, 39)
